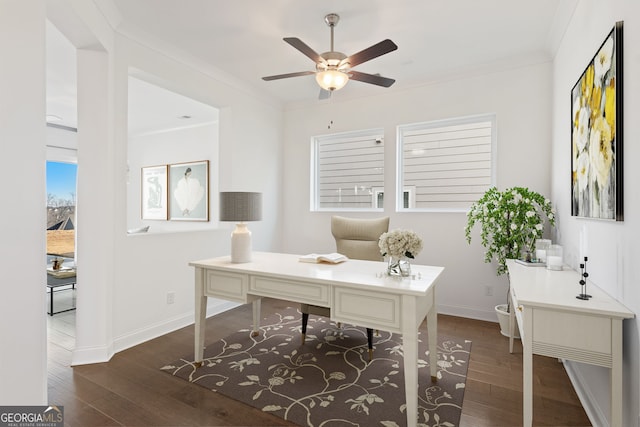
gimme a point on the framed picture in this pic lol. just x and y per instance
(154, 192)
(596, 134)
(189, 191)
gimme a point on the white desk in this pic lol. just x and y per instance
(355, 290)
(553, 322)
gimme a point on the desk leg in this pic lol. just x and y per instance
(410, 349)
(200, 316)
(256, 305)
(432, 330)
(527, 369)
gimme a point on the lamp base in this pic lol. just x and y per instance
(241, 244)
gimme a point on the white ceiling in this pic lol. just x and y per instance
(241, 40)
(152, 108)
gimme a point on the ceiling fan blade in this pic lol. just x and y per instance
(371, 52)
(286, 76)
(371, 78)
(324, 94)
(302, 47)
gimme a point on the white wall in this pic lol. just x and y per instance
(122, 281)
(519, 97)
(149, 266)
(23, 348)
(612, 247)
(96, 198)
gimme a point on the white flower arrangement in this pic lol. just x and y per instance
(510, 221)
(400, 243)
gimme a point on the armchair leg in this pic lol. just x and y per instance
(370, 342)
(305, 319)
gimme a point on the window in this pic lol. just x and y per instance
(61, 208)
(346, 169)
(447, 163)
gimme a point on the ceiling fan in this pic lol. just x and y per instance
(334, 69)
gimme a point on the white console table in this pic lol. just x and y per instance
(553, 322)
(356, 291)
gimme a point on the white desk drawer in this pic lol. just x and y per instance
(580, 337)
(311, 293)
(365, 308)
(229, 286)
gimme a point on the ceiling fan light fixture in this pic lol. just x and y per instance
(333, 68)
(331, 79)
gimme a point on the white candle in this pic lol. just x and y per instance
(554, 262)
(541, 255)
(584, 243)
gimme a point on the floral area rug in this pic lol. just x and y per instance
(329, 380)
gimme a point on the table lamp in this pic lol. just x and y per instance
(240, 207)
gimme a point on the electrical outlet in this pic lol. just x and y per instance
(171, 297)
(488, 290)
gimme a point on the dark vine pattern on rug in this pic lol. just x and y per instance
(329, 380)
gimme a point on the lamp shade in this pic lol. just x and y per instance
(240, 206)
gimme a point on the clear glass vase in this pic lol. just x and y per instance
(398, 266)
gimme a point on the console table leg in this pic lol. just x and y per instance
(527, 371)
(512, 323)
(616, 373)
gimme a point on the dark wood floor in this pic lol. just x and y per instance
(131, 389)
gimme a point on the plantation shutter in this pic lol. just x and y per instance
(448, 164)
(348, 167)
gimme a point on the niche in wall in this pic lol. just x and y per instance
(165, 128)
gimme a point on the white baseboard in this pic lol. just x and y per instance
(147, 333)
(83, 356)
(141, 335)
(89, 355)
(452, 310)
(588, 401)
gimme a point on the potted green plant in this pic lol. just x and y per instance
(510, 222)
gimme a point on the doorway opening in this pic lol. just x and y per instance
(61, 172)
(61, 259)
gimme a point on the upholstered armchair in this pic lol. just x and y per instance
(357, 239)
